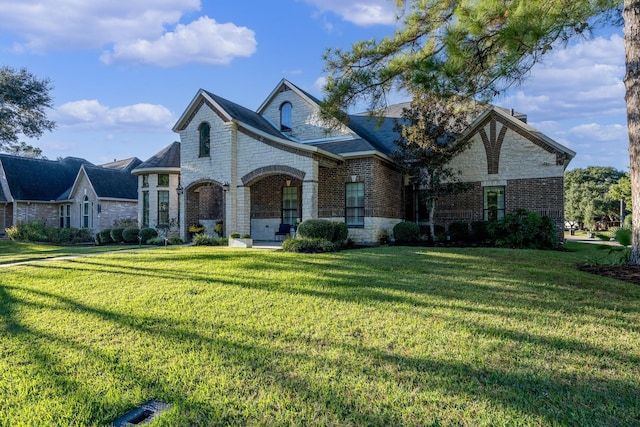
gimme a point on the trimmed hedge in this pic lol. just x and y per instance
(105, 236)
(308, 245)
(317, 229)
(459, 231)
(147, 233)
(37, 231)
(340, 232)
(116, 234)
(479, 231)
(406, 232)
(203, 239)
(523, 229)
(130, 234)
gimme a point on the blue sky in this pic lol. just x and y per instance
(124, 71)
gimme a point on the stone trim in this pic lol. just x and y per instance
(493, 145)
(274, 144)
(202, 181)
(197, 108)
(252, 176)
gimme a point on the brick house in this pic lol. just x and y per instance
(255, 170)
(70, 192)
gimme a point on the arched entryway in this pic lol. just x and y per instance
(204, 205)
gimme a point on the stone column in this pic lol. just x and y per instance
(244, 210)
(310, 193)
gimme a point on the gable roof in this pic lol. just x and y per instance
(39, 179)
(167, 158)
(125, 164)
(112, 183)
(286, 84)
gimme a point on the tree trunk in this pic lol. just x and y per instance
(631, 15)
(432, 225)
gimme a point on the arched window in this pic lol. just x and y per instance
(205, 139)
(285, 117)
(85, 212)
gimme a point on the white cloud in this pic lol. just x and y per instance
(203, 41)
(583, 80)
(71, 24)
(90, 114)
(146, 32)
(601, 133)
(360, 12)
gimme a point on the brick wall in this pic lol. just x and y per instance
(266, 196)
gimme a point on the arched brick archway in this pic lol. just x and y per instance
(204, 204)
(259, 173)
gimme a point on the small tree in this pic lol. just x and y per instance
(23, 102)
(430, 137)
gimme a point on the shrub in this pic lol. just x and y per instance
(175, 241)
(203, 239)
(459, 231)
(340, 232)
(479, 231)
(146, 234)
(219, 228)
(628, 222)
(316, 229)
(116, 234)
(32, 232)
(383, 237)
(406, 232)
(105, 236)
(308, 245)
(130, 234)
(234, 235)
(197, 228)
(156, 241)
(440, 233)
(245, 236)
(624, 236)
(524, 230)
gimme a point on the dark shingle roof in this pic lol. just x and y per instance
(113, 183)
(38, 179)
(168, 157)
(125, 164)
(377, 131)
(246, 116)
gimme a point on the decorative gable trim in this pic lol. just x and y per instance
(492, 145)
(198, 101)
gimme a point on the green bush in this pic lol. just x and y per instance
(628, 222)
(146, 234)
(245, 236)
(234, 235)
(479, 231)
(340, 232)
(459, 231)
(105, 236)
(316, 229)
(440, 233)
(37, 231)
(524, 230)
(203, 239)
(406, 232)
(383, 237)
(116, 234)
(175, 241)
(624, 236)
(156, 241)
(130, 234)
(308, 245)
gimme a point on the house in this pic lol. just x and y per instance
(254, 170)
(158, 187)
(71, 192)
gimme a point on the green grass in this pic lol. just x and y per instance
(11, 252)
(384, 336)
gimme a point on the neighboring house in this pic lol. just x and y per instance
(255, 170)
(70, 192)
(158, 187)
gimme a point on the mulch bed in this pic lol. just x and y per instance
(627, 273)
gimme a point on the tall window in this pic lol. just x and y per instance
(85, 212)
(65, 216)
(145, 180)
(285, 117)
(289, 205)
(354, 204)
(205, 139)
(163, 207)
(163, 180)
(145, 208)
(493, 203)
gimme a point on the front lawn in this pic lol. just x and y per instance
(385, 336)
(11, 251)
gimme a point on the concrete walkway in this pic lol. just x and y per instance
(594, 240)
